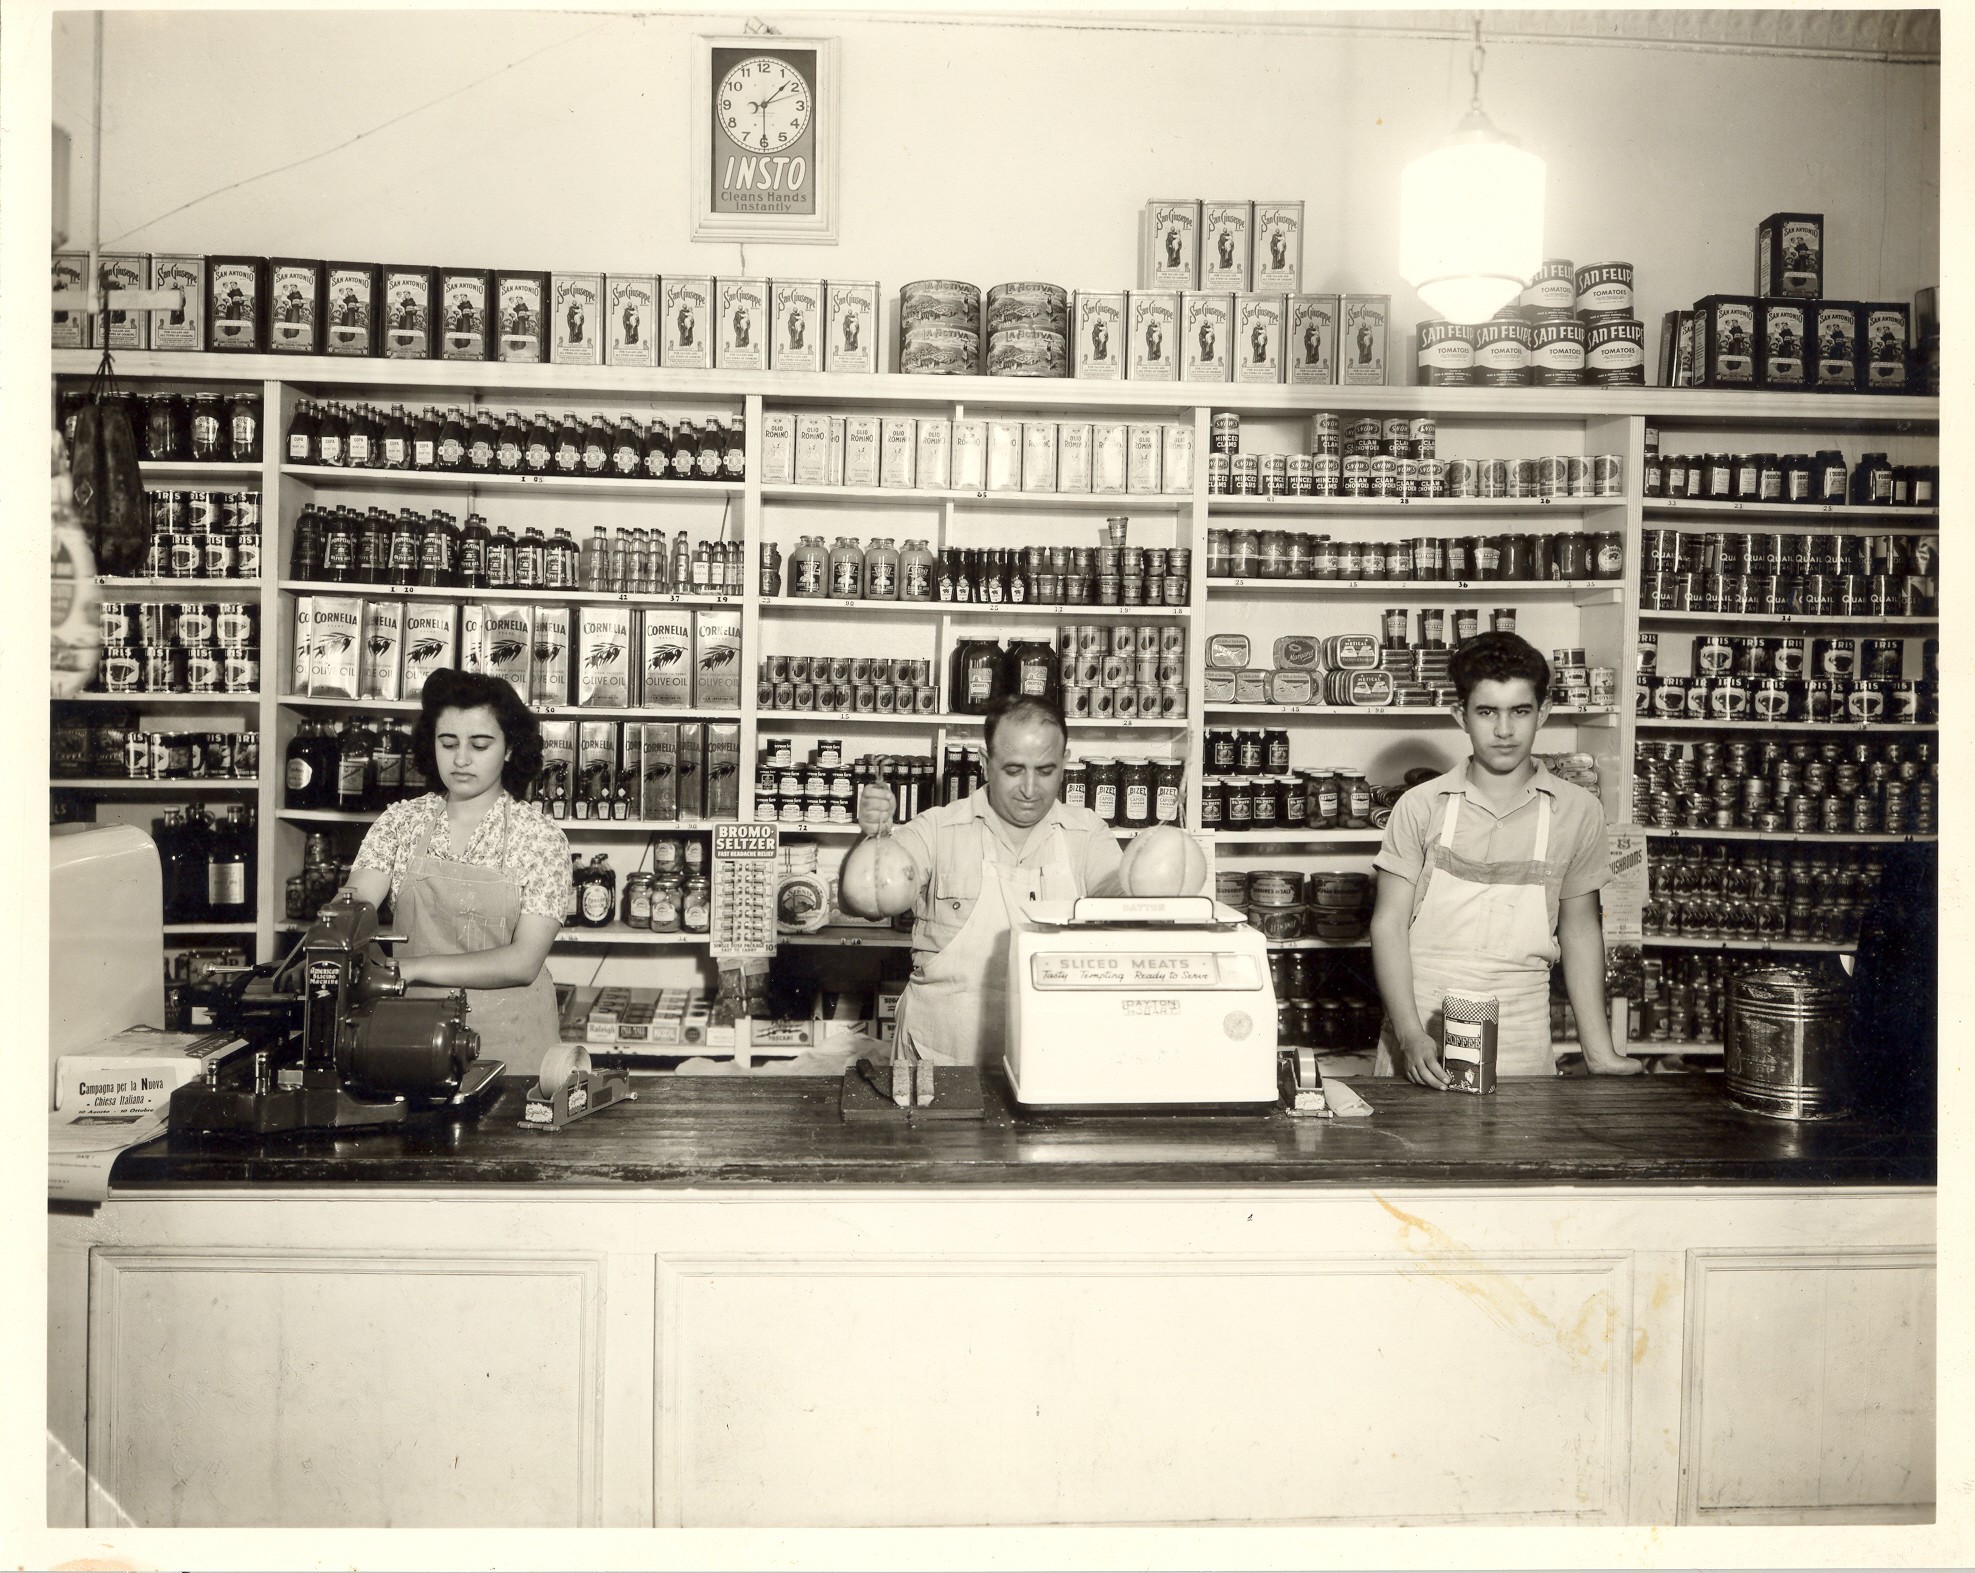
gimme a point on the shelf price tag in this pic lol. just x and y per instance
(741, 921)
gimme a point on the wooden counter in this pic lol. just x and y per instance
(709, 1131)
(1587, 1302)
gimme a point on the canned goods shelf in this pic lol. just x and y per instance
(1415, 712)
(1816, 515)
(968, 608)
(1844, 838)
(143, 699)
(1666, 724)
(915, 496)
(210, 928)
(179, 784)
(536, 596)
(1591, 592)
(552, 712)
(1829, 947)
(329, 475)
(218, 589)
(1226, 503)
(192, 469)
(1778, 620)
(621, 934)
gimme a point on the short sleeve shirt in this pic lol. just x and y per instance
(949, 843)
(1577, 831)
(514, 837)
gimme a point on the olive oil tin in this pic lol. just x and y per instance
(603, 657)
(409, 299)
(1110, 456)
(1097, 324)
(1225, 231)
(1784, 326)
(686, 322)
(70, 329)
(1153, 328)
(523, 301)
(1729, 347)
(630, 319)
(1258, 325)
(665, 659)
(1169, 245)
(717, 664)
(236, 304)
(1790, 255)
(349, 308)
(431, 641)
(1310, 351)
(741, 321)
(548, 676)
(1362, 339)
(852, 341)
(797, 311)
(1837, 329)
(1206, 322)
(1073, 454)
(127, 330)
(1276, 263)
(576, 319)
(466, 323)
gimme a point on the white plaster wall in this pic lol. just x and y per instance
(981, 149)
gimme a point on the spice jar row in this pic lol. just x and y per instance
(1427, 559)
(1860, 788)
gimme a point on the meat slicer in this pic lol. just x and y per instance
(333, 1042)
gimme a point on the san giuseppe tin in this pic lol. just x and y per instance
(127, 330)
(853, 331)
(350, 292)
(1277, 255)
(630, 319)
(1311, 350)
(1258, 337)
(1153, 326)
(70, 329)
(1225, 228)
(576, 319)
(1361, 340)
(523, 302)
(686, 319)
(1098, 327)
(466, 303)
(1169, 245)
(741, 318)
(1204, 329)
(796, 307)
(184, 329)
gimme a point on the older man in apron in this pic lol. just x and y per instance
(964, 867)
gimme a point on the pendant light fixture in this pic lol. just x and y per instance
(1471, 215)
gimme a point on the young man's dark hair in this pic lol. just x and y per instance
(1023, 707)
(1499, 658)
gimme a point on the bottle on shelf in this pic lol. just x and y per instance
(501, 554)
(416, 782)
(529, 554)
(483, 438)
(229, 886)
(305, 552)
(451, 454)
(396, 441)
(510, 444)
(658, 450)
(594, 572)
(353, 767)
(596, 447)
(470, 566)
(437, 548)
(627, 447)
(358, 445)
(596, 892)
(425, 440)
(712, 448)
(568, 451)
(301, 433)
(244, 429)
(339, 550)
(733, 455)
(209, 429)
(685, 451)
(387, 774)
(330, 432)
(880, 578)
(917, 572)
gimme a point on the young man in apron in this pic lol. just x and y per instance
(964, 867)
(1488, 874)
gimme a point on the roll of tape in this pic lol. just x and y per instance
(561, 1066)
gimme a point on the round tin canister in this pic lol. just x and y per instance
(1783, 1044)
(1027, 352)
(1554, 288)
(940, 351)
(1615, 353)
(1556, 354)
(1604, 289)
(1446, 355)
(1028, 305)
(945, 303)
(1501, 354)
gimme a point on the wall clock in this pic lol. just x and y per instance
(765, 138)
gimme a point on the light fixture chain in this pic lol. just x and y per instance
(1476, 58)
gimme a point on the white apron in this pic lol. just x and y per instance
(1484, 928)
(955, 1009)
(448, 908)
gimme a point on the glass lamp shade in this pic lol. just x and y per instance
(1471, 222)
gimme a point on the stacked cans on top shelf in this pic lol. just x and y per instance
(1572, 326)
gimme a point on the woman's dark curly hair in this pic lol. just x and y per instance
(451, 689)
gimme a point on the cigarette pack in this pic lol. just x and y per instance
(690, 770)
(1205, 326)
(511, 645)
(603, 657)
(631, 319)
(777, 448)
(723, 770)
(1004, 456)
(381, 670)
(1311, 333)
(1169, 245)
(665, 660)
(70, 330)
(466, 314)
(558, 762)
(236, 304)
(131, 330)
(350, 293)
(522, 300)
(335, 645)
(1099, 325)
(576, 319)
(1073, 456)
(1258, 338)
(658, 757)
(717, 658)
(1038, 456)
(797, 306)
(1153, 326)
(1110, 456)
(743, 324)
(1143, 445)
(1277, 260)
(686, 322)
(812, 450)
(431, 638)
(1225, 228)
(900, 442)
(409, 300)
(548, 668)
(1361, 340)
(969, 456)
(932, 462)
(853, 326)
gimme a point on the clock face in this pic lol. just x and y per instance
(762, 104)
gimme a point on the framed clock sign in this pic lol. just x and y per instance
(765, 138)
